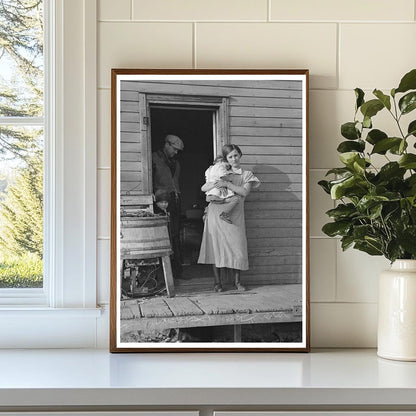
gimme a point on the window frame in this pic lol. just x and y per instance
(65, 313)
(37, 296)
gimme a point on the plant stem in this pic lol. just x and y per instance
(397, 118)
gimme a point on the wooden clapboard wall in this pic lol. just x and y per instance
(131, 169)
(266, 122)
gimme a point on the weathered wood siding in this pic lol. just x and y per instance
(131, 169)
(266, 122)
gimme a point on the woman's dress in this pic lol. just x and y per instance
(224, 244)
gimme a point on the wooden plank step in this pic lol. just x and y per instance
(155, 308)
(182, 306)
(287, 298)
(242, 303)
(214, 305)
(253, 302)
(264, 304)
(134, 307)
(160, 324)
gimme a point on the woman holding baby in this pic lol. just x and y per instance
(224, 242)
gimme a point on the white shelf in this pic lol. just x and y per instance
(39, 378)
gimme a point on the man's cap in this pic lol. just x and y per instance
(174, 141)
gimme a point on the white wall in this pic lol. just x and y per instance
(345, 44)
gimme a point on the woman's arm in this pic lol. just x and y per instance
(207, 186)
(239, 190)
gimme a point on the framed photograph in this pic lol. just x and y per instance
(209, 211)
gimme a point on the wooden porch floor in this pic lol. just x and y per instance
(265, 304)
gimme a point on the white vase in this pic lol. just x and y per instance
(397, 312)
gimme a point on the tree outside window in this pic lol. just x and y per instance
(21, 143)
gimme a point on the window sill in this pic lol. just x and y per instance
(40, 327)
(36, 312)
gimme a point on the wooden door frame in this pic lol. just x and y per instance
(217, 104)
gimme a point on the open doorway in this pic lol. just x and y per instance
(195, 126)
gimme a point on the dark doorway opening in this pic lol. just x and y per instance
(196, 129)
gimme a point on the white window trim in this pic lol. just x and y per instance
(69, 292)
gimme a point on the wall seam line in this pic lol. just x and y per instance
(194, 62)
(344, 303)
(256, 21)
(335, 253)
(338, 63)
(269, 11)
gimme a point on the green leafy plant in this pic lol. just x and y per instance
(21, 271)
(376, 210)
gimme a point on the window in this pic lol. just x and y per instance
(22, 132)
(64, 312)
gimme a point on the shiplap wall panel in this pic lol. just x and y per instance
(265, 120)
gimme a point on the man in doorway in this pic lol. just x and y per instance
(166, 172)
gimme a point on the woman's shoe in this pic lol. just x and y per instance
(240, 287)
(218, 288)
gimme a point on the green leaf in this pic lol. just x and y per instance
(359, 94)
(342, 211)
(383, 145)
(375, 211)
(349, 146)
(361, 231)
(349, 131)
(411, 185)
(342, 179)
(412, 200)
(374, 136)
(408, 102)
(341, 188)
(411, 180)
(369, 248)
(408, 161)
(374, 242)
(359, 165)
(391, 170)
(385, 99)
(346, 242)
(408, 82)
(413, 215)
(367, 122)
(411, 130)
(325, 186)
(336, 228)
(407, 239)
(398, 149)
(369, 201)
(393, 250)
(371, 108)
(348, 158)
(338, 171)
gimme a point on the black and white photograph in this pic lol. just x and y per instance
(209, 214)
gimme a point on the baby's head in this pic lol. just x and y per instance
(220, 160)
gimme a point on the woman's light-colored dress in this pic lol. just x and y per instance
(224, 244)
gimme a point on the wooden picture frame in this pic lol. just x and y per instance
(167, 127)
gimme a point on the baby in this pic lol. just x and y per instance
(221, 170)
